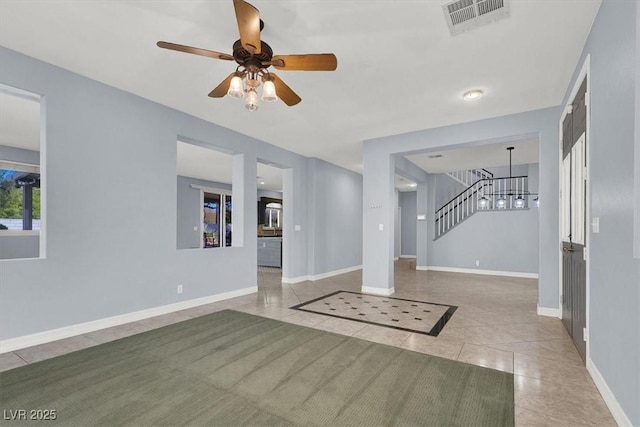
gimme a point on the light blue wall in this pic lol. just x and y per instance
(408, 203)
(500, 240)
(636, 247)
(12, 247)
(111, 160)
(614, 275)
(336, 203)
(446, 189)
(397, 233)
(379, 165)
(189, 210)
(503, 171)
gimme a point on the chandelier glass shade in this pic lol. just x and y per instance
(509, 197)
(246, 82)
(236, 87)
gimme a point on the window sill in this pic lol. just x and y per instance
(19, 233)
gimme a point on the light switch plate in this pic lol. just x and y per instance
(297, 228)
(380, 227)
(595, 225)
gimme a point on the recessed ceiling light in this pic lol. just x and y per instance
(413, 184)
(472, 95)
(261, 182)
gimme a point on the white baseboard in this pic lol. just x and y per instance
(483, 272)
(292, 280)
(608, 396)
(422, 268)
(313, 278)
(549, 312)
(407, 256)
(24, 341)
(396, 258)
(378, 291)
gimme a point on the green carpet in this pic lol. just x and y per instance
(231, 368)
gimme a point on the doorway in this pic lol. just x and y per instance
(573, 218)
(270, 228)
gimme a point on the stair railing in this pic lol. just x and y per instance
(471, 176)
(466, 203)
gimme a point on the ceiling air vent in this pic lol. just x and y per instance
(465, 15)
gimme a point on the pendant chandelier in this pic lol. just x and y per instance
(519, 195)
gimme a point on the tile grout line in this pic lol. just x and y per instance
(21, 358)
(460, 352)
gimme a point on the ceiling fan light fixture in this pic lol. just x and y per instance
(269, 92)
(236, 88)
(472, 95)
(252, 100)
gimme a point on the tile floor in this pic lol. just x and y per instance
(495, 326)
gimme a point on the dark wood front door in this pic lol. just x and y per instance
(574, 190)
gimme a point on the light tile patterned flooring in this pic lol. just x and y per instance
(403, 314)
(495, 326)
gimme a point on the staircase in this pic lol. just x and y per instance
(466, 203)
(470, 177)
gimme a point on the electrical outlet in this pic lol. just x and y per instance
(179, 289)
(477, 263)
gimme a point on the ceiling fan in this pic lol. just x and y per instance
(254, 57)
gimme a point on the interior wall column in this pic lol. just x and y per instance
(296, 231)
(244, 215)
(378, 222)
(422, 226)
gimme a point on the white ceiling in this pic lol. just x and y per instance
(399, 69)
(19, 122)
(404, 184)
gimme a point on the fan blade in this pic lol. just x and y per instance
(195, 51)
(283, 91)
(248, 18)
(222, 88)
(312, 62)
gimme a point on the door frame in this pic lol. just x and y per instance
(585, 72)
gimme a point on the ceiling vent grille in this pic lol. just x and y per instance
(465, 15)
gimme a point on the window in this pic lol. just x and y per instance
(204, 202)
(273, 216)
(19, 197)
(22, 200)
(216, 220)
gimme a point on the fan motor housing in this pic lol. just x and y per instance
(243, 56)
